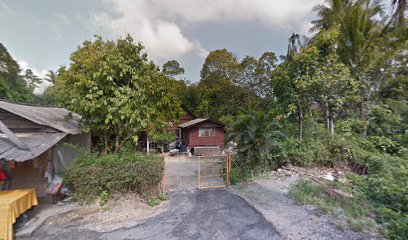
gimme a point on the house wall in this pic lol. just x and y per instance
(63, 156)
(183, 119)
(30, 174)
(192, 137)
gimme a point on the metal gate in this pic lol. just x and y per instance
(214, 171)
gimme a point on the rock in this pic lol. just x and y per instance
(329, 177)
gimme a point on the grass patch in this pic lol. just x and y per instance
(240, 174)
(153, 201)
(356, 209)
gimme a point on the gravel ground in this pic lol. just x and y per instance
(212, 214)
(269, 195)
(181, 173)
(123, 211)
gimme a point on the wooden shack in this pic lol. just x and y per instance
(32, 142)
(204, 134)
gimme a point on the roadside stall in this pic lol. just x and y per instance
(13, 203)
(32, 156)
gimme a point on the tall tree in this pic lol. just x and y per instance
(12, 85)
(330, 15)
(117, 91)
(33, 81)
(219, 94)
(172, 69)
(296, 43)
(51, 76)
(293, 84)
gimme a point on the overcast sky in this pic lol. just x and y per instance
(41, 34)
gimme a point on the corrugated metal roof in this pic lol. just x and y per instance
(37, 143)
(54, 117)
(192, 122)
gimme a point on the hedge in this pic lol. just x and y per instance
(92, 175)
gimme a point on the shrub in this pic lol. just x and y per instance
(92, 176)
(240, 174)
(153, 201)
(310, 153)
(256, 133)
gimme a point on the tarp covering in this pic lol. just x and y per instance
(37, 143)
(12, 204)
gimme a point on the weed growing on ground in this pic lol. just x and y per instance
(356, 209)
(163, 197)
(153, 201)
(104, 198)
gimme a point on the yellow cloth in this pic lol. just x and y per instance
(12, 204)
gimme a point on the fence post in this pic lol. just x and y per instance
(229, 168)
(199, 174)
(164, 177)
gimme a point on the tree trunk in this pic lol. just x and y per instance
(147, 145)
(117, 145)
(300, 123)
(327, 116)
(363, 116)
(331, 126)
(106, 141)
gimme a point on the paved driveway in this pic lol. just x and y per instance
(212, 214)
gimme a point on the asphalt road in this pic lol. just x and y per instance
(212, 214)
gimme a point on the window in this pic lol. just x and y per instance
(206, 132)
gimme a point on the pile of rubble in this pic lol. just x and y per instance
(331, 174)
(320, 176)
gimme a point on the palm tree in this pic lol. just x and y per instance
(50, 76)
(296, 43)
(360, 33)
(330, 14)
(257, 134)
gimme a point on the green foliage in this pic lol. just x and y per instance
(100, 176)
(256, 134)
(117, 91)
(306, 192)
(310, 153)
(104, 198)
(13, 85)
(153, 201)
(240, 174)
(172, 68)
(163, 197)
(163, 137)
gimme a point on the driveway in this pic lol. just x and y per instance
(181, 173)
(212, 214)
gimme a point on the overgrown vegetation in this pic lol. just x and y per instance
(95, 176)
(339, 96)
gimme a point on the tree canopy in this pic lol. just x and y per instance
(117, 91)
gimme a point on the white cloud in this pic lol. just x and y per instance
(6, 8)
(158, 23)
(39, 73)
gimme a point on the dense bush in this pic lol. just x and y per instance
(240, 174)
(257, 134)
(310, 153)
(92, 175)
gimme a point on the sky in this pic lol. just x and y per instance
(42, 34)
